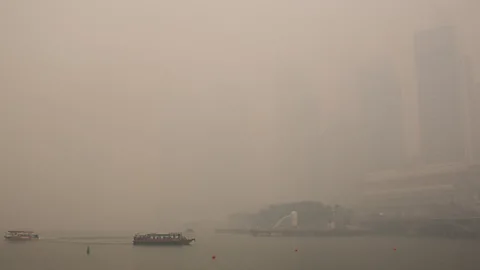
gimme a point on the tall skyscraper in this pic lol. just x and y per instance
(440, 97)
(382, 118)
(298, 127)
(475, 121)
(469, 98)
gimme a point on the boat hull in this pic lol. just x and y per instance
(20, 238)
(163, 243)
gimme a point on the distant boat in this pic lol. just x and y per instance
(20, 235)
(162, 239)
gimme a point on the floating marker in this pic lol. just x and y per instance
(296, 250)
(88, 250)
(394, 249)
(214, 257)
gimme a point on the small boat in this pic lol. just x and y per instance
(20, 235)
(162, 239)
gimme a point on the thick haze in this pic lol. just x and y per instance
(148, 114)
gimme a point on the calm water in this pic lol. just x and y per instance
(243, 253)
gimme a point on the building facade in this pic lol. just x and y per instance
(431, 191)
(445, 181)
(441, 96)
(474, 109)
(382, 119)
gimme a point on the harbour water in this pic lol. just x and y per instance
(242, 252)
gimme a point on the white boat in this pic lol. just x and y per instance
(20, 235)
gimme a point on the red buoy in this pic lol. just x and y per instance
(296, 250)
(394, 249)
(214, 257)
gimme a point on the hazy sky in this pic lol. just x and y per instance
(143, 114)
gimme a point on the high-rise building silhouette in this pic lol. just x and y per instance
(440, 96)
(469, 100)
(382, 119)
(474, 97)
(298, 128)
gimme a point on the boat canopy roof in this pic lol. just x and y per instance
(160, 234)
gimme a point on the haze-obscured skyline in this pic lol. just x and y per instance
(122, 114)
